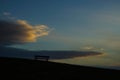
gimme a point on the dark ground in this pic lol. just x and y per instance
(20, 69)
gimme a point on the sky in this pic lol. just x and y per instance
(80, 25)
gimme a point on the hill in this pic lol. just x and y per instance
(17, 68)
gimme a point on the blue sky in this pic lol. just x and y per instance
(75, 24)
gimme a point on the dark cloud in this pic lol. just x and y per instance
(13, 52)
(69, 54)
(14, 32)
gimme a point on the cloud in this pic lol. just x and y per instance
(20, 31)
(41, 30)
(8, 16)
(6, 13)
(54, 55)
(69, 54)
(91, 48)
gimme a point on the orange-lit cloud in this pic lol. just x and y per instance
(20, 31)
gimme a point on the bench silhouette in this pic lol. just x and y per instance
(43, 58)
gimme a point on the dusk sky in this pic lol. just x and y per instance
(79, 25)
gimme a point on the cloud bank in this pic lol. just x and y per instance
(20, 31)
(54, 55)
(68, 54)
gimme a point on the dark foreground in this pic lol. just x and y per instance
(14, 68)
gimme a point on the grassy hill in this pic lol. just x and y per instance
(17, 68)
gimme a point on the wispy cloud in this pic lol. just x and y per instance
(6, 13)
(91, 48)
